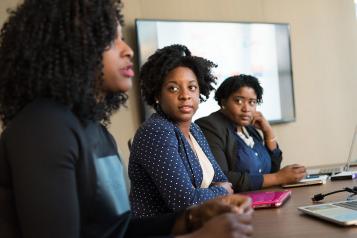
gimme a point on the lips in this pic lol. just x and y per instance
(127, 71)
(186, 108)
(245, 118)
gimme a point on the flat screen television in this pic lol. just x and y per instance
(259, 49)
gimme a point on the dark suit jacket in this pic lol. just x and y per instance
(219, 131)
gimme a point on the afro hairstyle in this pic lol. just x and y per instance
(153, 73)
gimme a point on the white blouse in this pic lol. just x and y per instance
(207, 168)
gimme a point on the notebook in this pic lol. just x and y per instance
(265, 199)
(335, 169)
(343, 213)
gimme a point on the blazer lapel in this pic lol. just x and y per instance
(192, 164)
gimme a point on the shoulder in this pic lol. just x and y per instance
(214, 119)
(43, 118)
(155, 131)
(44, 111)
(157, 123)
(215, 122)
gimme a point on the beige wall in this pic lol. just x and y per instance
(324, 49)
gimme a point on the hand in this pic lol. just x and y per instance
(235, 203)
(227, 225)
(261, 123)
(226, 185)
(195, 217)
(291, 174)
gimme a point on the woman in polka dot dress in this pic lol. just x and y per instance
(171, 165)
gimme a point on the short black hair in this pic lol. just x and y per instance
(154, 71)
(234, 83)
(53, 49)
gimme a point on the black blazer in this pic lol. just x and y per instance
(219, 131)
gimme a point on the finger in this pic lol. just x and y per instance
(301, 176)
(245, 206)
(245, 229)
(244, 218)
(237, 218)
(249, 211)
(299, 170)
(257, 113)
(238, 200)
(295, 166)
(245, 209)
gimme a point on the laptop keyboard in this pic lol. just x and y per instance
(350, 205)
(328, 171)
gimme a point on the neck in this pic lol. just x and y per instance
(239, 128)
(185, 128)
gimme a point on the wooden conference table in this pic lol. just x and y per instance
(287, 221)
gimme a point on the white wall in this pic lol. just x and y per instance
(324, 53)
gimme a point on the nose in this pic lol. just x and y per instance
(127, 51)
(184, 94)
(245, 106)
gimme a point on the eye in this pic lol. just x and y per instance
(192, 88)
(252, 102)
(173, 89)
(238, 100)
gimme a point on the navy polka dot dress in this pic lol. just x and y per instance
(164, 171)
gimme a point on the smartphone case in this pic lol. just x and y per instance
(265, 199)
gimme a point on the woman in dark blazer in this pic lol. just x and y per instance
(171, 166)
(250, 160)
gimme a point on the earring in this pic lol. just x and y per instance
(223, 107)
(157, 101)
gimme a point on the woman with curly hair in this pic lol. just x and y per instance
(250, 160)
(64, 71)
(171, 166)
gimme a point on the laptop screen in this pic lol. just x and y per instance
(352, 157)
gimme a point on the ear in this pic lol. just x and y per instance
(223, 103)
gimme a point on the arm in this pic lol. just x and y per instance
(286, 175)
(276, 156)
(42, 154)
(160, 158)
(157, 226)
(270, 139)
(193, 221)
(217, 140)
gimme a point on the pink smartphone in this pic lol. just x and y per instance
(269, 199)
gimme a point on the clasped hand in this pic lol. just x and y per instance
(226, 216)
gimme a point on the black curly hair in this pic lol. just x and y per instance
(234, 83)
(155, 70)
(54, 49)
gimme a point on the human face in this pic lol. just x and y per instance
(241, 106)
(117, 65)
(179, 96)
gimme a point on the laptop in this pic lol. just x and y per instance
(343, 213)
(335, 169)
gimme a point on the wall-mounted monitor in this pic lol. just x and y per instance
(259, 49)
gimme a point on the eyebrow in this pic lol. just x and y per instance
(245, 98)
(171, 81)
